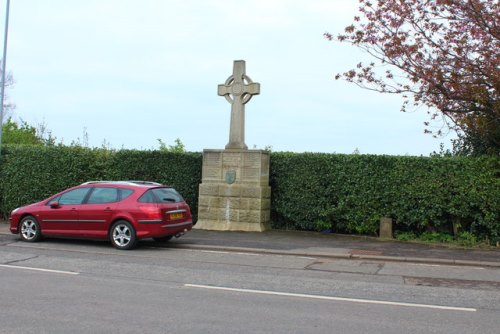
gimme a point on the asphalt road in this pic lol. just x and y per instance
(59, 286)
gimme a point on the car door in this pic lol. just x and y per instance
(96, 213)
(60, 215)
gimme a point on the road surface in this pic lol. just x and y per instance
(68, 286)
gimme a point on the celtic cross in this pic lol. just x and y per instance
(238, 90)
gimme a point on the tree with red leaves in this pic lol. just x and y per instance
(440, 54)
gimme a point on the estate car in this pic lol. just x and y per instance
(121, 211)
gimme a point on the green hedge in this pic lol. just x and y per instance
(350, 193)
(310, 191)
(30, 173)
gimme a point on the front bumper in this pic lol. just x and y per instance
(13, 227)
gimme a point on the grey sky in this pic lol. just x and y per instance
(130, 72)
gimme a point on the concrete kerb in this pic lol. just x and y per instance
(326, 254)
(450, 262)
(259, 251)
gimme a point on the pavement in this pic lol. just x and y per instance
(314, 244)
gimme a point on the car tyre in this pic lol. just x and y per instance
(29, 229)
(163, 239)
(122, 235)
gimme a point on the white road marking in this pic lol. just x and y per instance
(226, 252)
(40, 269)
(443, 265)
(353, 300)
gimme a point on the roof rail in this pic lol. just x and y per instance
(92, 182)
(124, 182)
(145, 182)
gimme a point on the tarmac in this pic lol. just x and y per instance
(315, 244)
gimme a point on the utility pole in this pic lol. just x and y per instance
(4, 66)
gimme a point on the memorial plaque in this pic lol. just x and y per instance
(209, 189)
(212, 159)
(211, 173)
(252, 159)
(231, 159)
(252, 174)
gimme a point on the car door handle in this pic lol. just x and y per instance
(108, 209)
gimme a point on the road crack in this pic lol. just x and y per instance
(21, 260)
(451, 283)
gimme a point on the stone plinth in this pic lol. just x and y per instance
(385, 228)
(234, 194)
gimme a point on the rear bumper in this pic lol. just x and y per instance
(184, 224)
(160, 229)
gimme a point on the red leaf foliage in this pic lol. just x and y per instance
(442, 54)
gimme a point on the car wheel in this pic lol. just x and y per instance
(163, 239)
(30, 229)
(122, 235)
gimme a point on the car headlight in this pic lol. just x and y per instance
(14, 211)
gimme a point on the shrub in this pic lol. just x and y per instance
(310, 191)
(30, 174)
(352, 192)
(405, 236)
(467, 239)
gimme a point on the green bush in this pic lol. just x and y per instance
(30, 173)
(405, 236)
(310, 191)
(352, 193)
(436, 237)
(467, 239)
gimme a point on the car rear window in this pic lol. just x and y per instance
(161, 195)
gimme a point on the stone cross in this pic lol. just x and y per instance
(238, 90)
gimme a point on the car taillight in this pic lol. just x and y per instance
(151, 212)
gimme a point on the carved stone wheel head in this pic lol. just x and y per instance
(238, 88)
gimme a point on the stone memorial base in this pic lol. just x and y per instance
(234, 194)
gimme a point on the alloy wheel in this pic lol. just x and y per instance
(122, 235)
(29, 229)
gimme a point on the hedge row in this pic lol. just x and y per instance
(350, 193)
(343, 193)
(30, 173)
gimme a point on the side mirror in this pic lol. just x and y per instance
(54, 205)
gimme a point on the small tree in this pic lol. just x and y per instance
(7, 106)
(23, 133)
(177, 148)
(441, 54)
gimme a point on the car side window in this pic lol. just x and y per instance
(103, 195)
(147, 197)
(75, 196)
(126, 193)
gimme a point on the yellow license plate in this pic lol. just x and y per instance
(176, 215)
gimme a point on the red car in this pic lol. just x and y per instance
(121, 211)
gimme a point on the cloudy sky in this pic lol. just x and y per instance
(131, 72)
